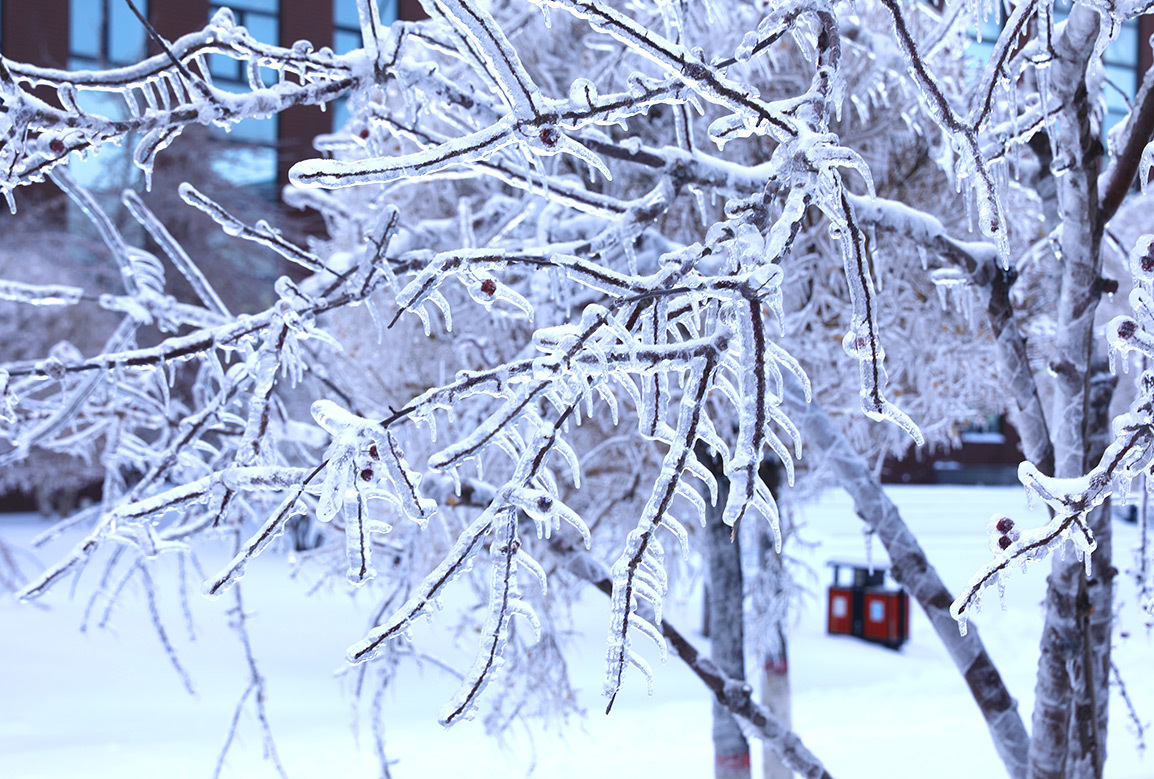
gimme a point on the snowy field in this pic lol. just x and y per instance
(106, 703)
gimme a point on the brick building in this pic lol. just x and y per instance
(102, 33)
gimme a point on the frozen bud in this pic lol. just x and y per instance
(1142, 258)
(53, 368)
(373, 452)
(367, 474)
(489, 287)
(364, 133)
(549, 136)
(695, 71)
(1005, 525)
(1004, 542)
(56, 145)
(1127, 328)
(858, 345)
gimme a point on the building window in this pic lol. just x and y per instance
(1120, 60)
(104, 33)
(253, 159)
(347, 37)
(347, 25)
(259, 17)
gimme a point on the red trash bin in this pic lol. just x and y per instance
(866, 606)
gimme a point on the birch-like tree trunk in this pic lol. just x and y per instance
(1067, 741)
(775, 688)
(771, 609)
(726, 594)
(1098, 619)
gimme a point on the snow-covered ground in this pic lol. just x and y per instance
(106, 703)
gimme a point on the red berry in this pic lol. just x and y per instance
(364, 133)
(56, 145)
(1127, 328)
(1005, 525)
(549, 136)
(373, 452)
(1004, 542)
(489, 287)
(367, 474)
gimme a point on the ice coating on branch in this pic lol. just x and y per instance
(359, 447)
(261, 233)
(973, 167)
(40, 294)
(752, 116)
(863, 341)
(1021, 548)
(755, 414)
(423, 601)
(459, 151)
(1145, 165)
(491, 51)
(175, 252)
(268, 532)
(638, 576)
(504, 602)
(8, 399)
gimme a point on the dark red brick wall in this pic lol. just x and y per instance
(174, 19)
(36, 32)
(311, 21)
(411, 10)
